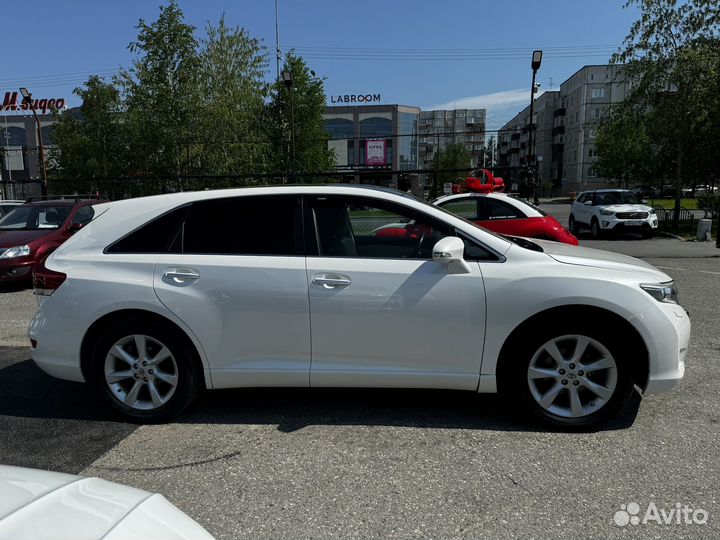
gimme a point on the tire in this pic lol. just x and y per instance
(595, 230)
(647, 234)
(529, 374)
(572, 225)
(126, 384)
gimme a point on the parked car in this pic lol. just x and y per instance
(644, 192)
(506, 214)
(50, 505)
(162, 296)
(33, 230)
(7, 206)
(611, 211)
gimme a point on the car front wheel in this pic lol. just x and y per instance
(145, 370)
(572, 225)
(595, 229)
(573, 378)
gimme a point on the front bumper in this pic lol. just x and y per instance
(666, 332)
(16, 269)
(611, 223)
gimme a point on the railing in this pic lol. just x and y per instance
(687, 222)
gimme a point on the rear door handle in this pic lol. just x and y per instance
(181, 275)
(331, 281)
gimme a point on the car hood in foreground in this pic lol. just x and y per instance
(9, 238)
(41, 504)
(597, 258)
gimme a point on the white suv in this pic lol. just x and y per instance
(307, 286)
(611, 210)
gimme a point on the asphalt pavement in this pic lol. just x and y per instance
(269, 463)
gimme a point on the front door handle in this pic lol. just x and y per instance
(331, 281)
(181, 275)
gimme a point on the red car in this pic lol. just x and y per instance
(33, 230)
(505, 214)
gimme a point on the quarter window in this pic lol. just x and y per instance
(466, 208)
(153, 237)
(244, 226)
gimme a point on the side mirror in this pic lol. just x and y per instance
(450, 251)
(588, 203)
(75, 227)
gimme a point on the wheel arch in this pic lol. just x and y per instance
(96, 329)
(600, 316)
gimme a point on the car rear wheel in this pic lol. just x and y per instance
(145, 370)
(576, 377)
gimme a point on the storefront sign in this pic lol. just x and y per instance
(356, 98)
(375, 153)
(13, 102)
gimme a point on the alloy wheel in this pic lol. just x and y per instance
(572, 376)
(141, 372)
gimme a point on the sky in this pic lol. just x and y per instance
(447, 54)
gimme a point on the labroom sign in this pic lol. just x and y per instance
(355, 98)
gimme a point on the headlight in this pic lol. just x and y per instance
(607, 212)
(662, 292)
(14, 252)
(651, 211)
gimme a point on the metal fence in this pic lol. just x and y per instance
(686, 225)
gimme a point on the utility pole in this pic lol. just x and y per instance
(288, 81)
(535, 65)
(11, 188)
(277, 41)
(27, 98)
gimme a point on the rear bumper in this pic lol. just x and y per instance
(58, 339)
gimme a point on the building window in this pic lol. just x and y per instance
(592, 152)
(592, 173)
(598, 92)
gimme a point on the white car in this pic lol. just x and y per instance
(611, 210)
(50, 505)
(160, 297)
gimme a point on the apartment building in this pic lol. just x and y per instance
(440, 128)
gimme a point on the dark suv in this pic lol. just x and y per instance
(33, 230)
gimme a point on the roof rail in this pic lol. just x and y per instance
(74, 197)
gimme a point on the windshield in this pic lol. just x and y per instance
(35, 217)
(615, 197)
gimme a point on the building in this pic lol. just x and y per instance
(566, 131)
(20, 169)
(373, 142)
(514, 154)
(440, 128)
(587, 97)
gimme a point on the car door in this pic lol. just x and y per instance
(502, 217)
(236, 276)
(383, 313)
(580, 211)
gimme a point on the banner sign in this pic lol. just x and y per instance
(14, 102)
(375, 152)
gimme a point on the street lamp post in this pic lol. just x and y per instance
(535, 65)
(27, 98)
(288, 82)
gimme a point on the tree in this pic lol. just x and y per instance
(308, 104)
(624, 147)
(667, 54)
(90, 145)
(454, 156)
(231, 103)
(161, 93)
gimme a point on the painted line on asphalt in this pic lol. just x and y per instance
(671, 268)
(709, 272)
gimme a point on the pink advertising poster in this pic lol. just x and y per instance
(375, 152)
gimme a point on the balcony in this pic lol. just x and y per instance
(559, 112)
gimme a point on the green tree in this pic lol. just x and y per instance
(90, 145)
(666, 54)
(311, 152)
(231, 103)
(454, 156)
(161, 93)
(623, 146)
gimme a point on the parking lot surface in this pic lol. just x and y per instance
(269, 463)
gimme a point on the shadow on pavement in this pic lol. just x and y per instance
(15, 286)
(51, 424)
(75, 413)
